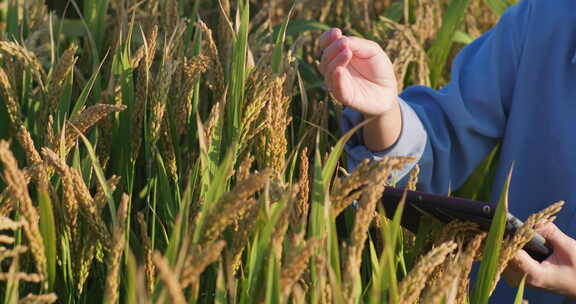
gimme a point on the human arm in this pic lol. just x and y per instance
(457, 126)
(361, 76)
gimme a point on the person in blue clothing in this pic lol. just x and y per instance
(515, 84)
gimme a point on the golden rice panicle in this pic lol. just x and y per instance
(167, 150)
(37, 14)
(149, 267)
(232, 205)
(143, 89)
(197, 262)
(404, 46)
(225, 30)
(215, 78)
(36, 299)
(246, 223)
(84, 120)
(89, 210)
(26, 59)
(100, 198)
(456, 230)
(428, 20)
(413, 178)
(115, 255)
(467, 260)
(85, 256)
(13, 107)
(159, 97)
(169, 278)
(70, 203)
(258, 94)
(182, 111)
(521, 237)
(13, 253)
(244, 169)
(289, 196)
(342, 194)
(445, 286)
(213, 121)
(300, 214)
(17, 184)
(57, 81)
(296, 265)
(280, 119)
(364, 215)
(413, 284)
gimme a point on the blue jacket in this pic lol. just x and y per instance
(515, 84)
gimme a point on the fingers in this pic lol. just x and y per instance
(330, 52)
(526, 264)
(329, 36)
(341, 87)
(340, 61)
(555, 236)
(364, 49)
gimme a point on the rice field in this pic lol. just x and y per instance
(186, 152)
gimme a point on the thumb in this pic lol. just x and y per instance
(364, 49)
(554, 235)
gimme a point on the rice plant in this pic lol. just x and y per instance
(185, 152)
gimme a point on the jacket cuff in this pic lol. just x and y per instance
(411, 142)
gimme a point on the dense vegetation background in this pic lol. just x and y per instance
(186, 152)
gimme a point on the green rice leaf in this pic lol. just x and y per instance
(48, 231)
(520, 294)
(278, 48)
(487, 273)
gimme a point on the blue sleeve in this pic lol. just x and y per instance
(453, 129)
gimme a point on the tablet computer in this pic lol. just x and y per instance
(447, 209)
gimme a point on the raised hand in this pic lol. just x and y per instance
(358, 73)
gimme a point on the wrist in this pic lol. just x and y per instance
(384, 130)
